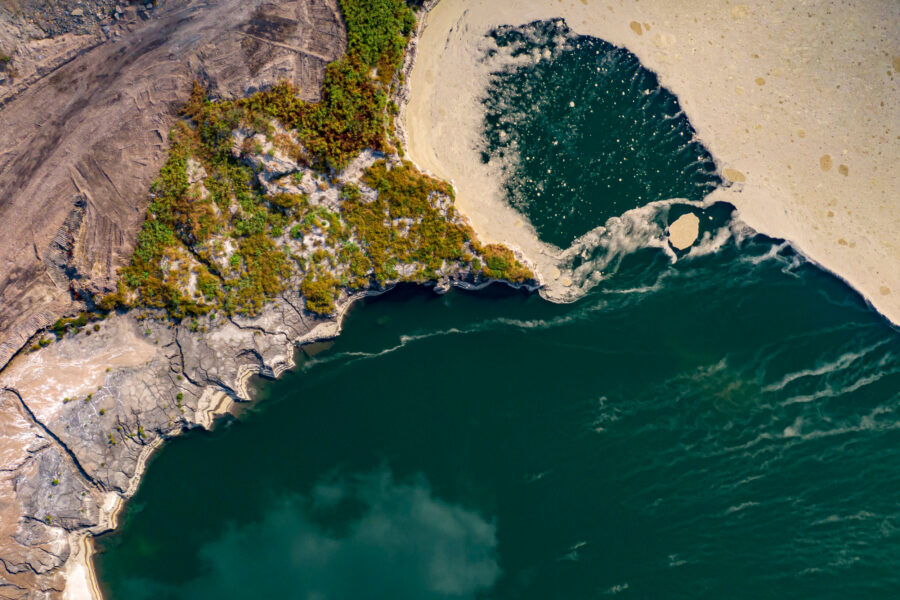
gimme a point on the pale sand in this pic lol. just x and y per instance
(57, 372)
(81, 581)
(683, 232)
(798, 102)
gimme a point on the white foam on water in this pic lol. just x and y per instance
(676, 561)
(617, 589)
(740, 507)
(862, 515)
(405, 340)
(829, 391)
(597, 255)
(804, 430)
(793, 430)
(710, 242)
(842, 362)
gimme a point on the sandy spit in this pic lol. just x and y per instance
(799, 103)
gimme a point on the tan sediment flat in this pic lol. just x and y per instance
(798, 103)
(53, 374)
(683, 232)
(81, 581)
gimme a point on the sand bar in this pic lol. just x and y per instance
(798, 103)
(683, 232)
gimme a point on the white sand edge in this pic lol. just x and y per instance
(79, 573)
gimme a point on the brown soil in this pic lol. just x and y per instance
(80, 144)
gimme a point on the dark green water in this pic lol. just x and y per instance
(728, 431)
(725, 425)
(585, 133)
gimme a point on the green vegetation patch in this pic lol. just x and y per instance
(501, 263)
(76, 323)
(430, 238)
(215, 240)
(377, 31)
(352, 114)
(263, 272)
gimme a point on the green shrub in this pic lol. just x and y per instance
(501, 263)
(377, 31)
(74, 324)
(320, 293)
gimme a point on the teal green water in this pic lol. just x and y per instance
(586, 133)
(723, 425)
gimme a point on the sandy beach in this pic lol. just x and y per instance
(799, 105)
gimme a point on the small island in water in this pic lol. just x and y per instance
(617, 329)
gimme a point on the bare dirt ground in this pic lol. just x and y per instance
(83, 137)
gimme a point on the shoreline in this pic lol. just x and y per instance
(535, 258)
(215, 401)
(80, 566)
(81, 577)
(137, 381)
(793, 126)
(333, 327)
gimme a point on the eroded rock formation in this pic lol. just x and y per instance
(80, 418)
(88, 94)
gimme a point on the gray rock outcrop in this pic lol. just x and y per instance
(81, 417)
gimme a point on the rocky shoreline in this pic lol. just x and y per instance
(92, 408)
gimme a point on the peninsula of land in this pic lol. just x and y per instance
(270, 215)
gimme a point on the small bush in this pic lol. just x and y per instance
(320, 293)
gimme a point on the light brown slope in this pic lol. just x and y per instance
(80, 146)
